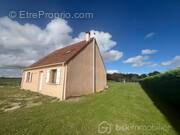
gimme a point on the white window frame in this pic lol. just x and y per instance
(49, 76)
(58, 76)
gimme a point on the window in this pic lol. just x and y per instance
(68, 51)
(53, 76)
(29, 77)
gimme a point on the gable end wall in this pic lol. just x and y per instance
(80, 73)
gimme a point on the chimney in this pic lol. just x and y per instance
(87, 36)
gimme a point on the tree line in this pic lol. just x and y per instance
(131, 77)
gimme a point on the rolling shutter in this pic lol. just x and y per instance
(48, 76)
(58, 76)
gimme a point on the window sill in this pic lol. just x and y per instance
(53, 84)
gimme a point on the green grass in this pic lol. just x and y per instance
(125, 106)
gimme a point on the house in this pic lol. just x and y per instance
(74, 70)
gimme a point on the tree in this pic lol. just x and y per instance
(143, 76)
(120, 77)
(153, 73)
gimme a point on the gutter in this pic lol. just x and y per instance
(54, 64)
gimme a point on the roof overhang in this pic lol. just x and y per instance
(44, 66)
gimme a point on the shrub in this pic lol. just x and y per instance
(10, 81)
(165, 87)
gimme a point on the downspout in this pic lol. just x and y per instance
(63, 96)
(94, 66)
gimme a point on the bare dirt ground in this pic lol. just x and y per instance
(13, 98)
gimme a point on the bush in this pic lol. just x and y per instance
(10, 81)
(165, 87)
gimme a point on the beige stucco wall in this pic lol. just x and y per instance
(54, 90)
(80, 73)
(100, 77)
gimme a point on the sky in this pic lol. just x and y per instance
(133, 36)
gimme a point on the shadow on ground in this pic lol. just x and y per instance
(170, 111)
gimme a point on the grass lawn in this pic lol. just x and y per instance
(125, 107)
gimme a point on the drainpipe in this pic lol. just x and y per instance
(94, 66)
(63, 96)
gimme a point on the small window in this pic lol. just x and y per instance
(29, 77)
(53, 75)
(68, 51)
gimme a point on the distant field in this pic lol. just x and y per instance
(125, 107)
(10, 81)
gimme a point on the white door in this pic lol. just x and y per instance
(40, 80)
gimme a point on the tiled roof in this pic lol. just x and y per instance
(61, 55)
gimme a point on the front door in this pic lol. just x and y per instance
(40, 80)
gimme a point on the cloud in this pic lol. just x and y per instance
(112, 55)
(150, 35)
(152, 64)
(10, 72)
(105, 44)
(23, 44)
(142, 60)
(174, 63)
(137, 61)
(148, 51)
(112, 71)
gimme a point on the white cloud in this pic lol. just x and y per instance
(112, 55)
(112, 71)
(142, 60)
(175, 62)
(137, 61)
(148, 51)
(105, 44)
(150, 35)
(152, 64)
(23, 44)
